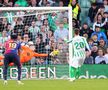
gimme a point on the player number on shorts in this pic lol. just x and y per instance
(12, 45)
(79, 45)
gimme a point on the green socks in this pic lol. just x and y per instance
(77, 73)
(74, 72)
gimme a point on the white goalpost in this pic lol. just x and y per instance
(18, 19)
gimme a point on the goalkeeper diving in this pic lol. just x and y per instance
(79, 46)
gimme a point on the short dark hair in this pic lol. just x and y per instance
(96, 26)
(85, 23)
(100, 48)
(14, 36)
(76, 31)
(93, 4)
(105, 12)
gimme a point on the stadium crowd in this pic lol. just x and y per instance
(45, 33)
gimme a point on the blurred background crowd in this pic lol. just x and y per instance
(45, 33)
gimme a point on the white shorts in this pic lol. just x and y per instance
(77, 62)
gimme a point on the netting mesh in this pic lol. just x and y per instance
(43, 31)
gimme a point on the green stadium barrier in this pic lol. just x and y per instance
(57, 72)
(94, 71)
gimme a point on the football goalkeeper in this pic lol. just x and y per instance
(79, 46)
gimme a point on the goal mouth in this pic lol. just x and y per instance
(37, 24)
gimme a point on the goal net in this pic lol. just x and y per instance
(43, 30)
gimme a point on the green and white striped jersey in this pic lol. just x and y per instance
(79, 44)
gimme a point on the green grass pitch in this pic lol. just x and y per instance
(82, 84)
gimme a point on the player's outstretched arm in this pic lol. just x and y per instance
(68, 41)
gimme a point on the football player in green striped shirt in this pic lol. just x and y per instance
(79, 46)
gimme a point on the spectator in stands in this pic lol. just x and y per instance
(102, 44)
(26, 31)
(50, 45)
(50, 36)
(20, 38)
(21, 3)
(75, 9)
(45, 23)
(101, 10)
(66, 24)
(3, 38)
(61, 4)
(53, 2)
(92, 13)
(48, 5)
(7, 3)
(90, 43)
(9, 16)
(9, 29)
(34, 30)
(33, 3)
(4, 24)
(40, 45)
(19, 26)
(61, 15)
(39, 20)
(99, 33)
(1, 3)
(86, 30)
(99, 22)
(88, 59)
(63, 50)
(95, 39)
(57, 23)
(75, 23)
(25, 40)
(43, 32)
(105, 2)
(100, 59)
(99, 19)
(106, 55)
(105, 18)
(54, 58)
(43, 3)
(94, 50)
(14, 22)
(61, 33)
(51, 19)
